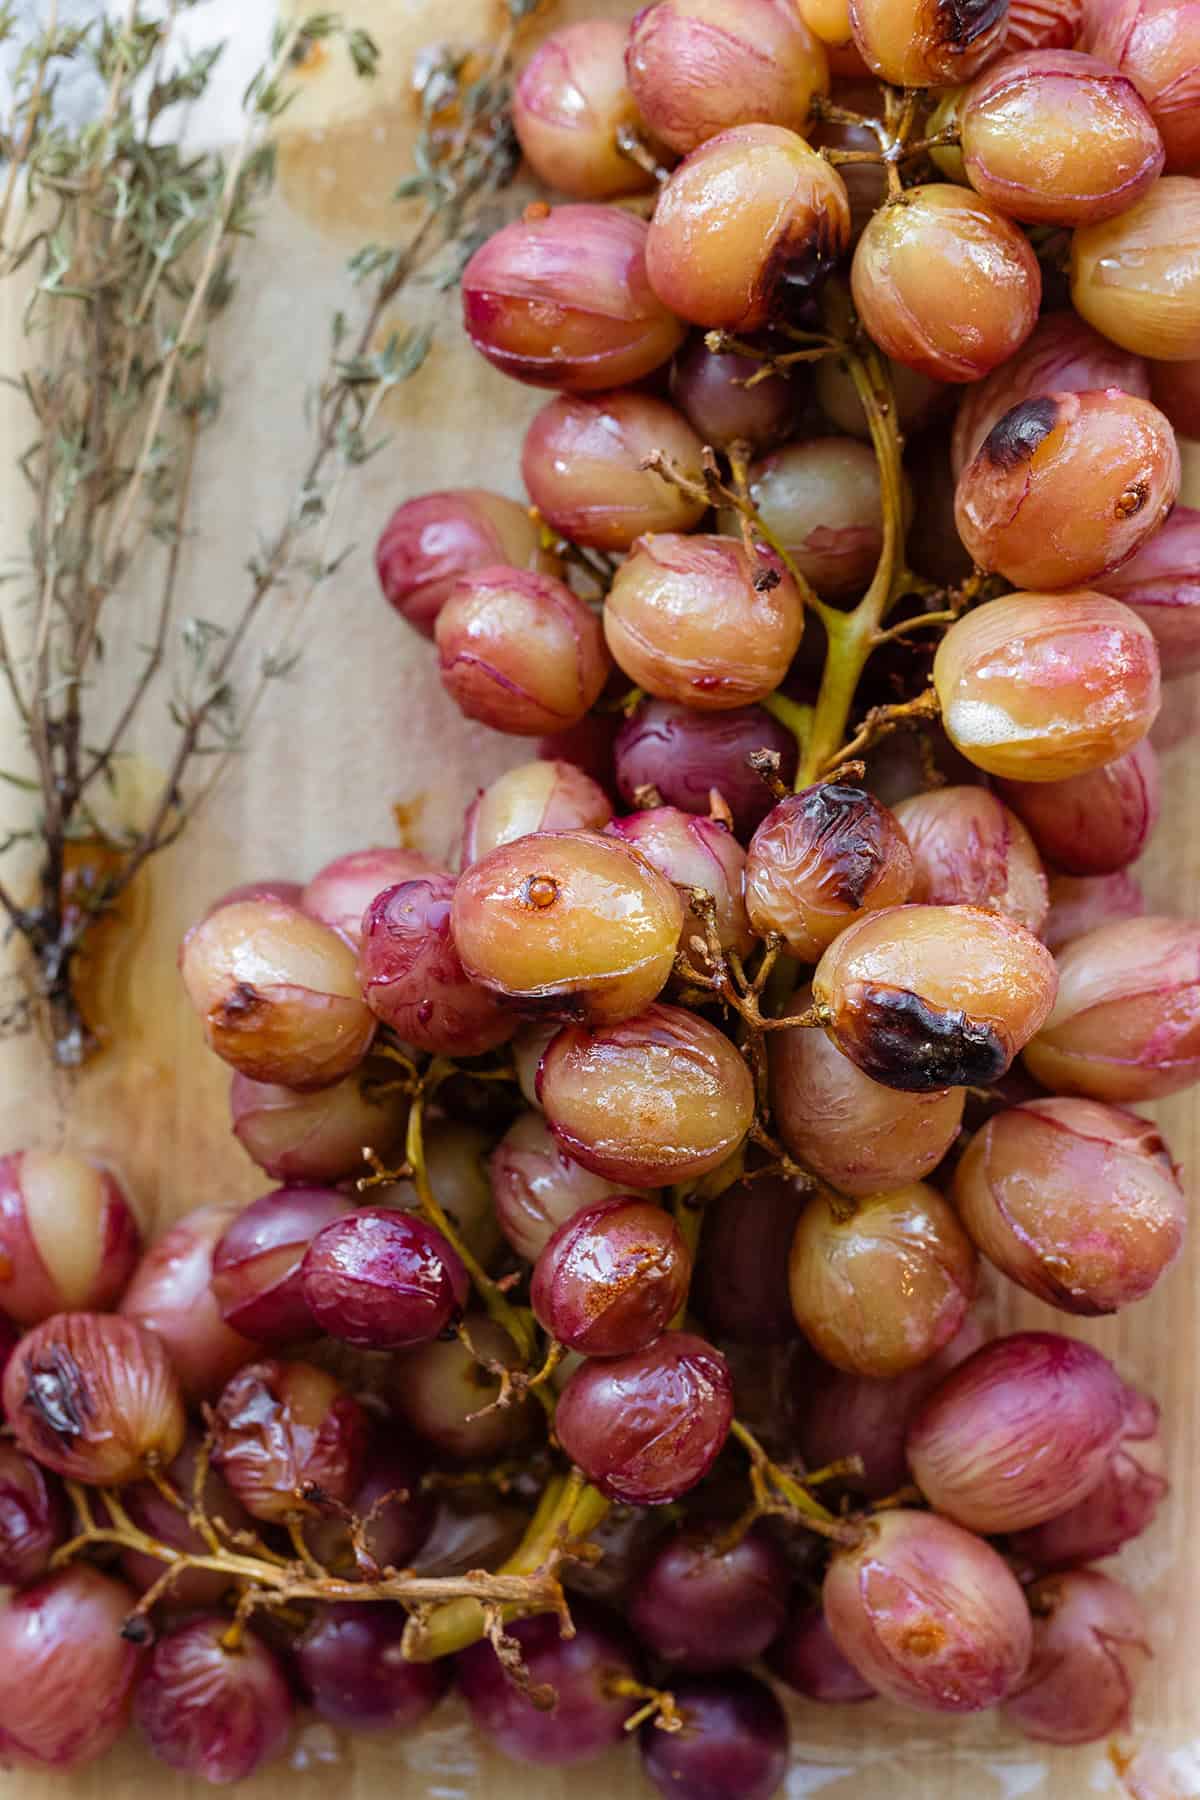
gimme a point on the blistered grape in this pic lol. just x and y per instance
(923, 44)
(1160, 584)
(1136, 278)
(432, 540)
(582, 466)
(570, 102)
(821, 500)
(1156, 43)
(969, 849)
(1096, 823)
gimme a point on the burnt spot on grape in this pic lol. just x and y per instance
(962, 22)
(56, 1394)
(138, 1630)
(843, 825)
(797, 266)
(1015, 437)
(897, 1038)
(242, 1003)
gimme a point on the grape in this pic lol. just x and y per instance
(921, 44)
(934, 548)
(472, 1529)
(836, 1415)
(171, 1294)
(456, 1164)
(562, 300)
(918, 399)
(612, 1277)
(383, 1280)
(1039, 687)
(430, 542)
(10, 1337)
(1089, 1651)
(946, 239)
(582, 466)
(805, 1657)
(1043, 24)
(340, 893)
(93, 1398)
(881, 1291)
(859, 1135)
(33, 1518)
(928, 1614)
(536, 1188)
(1061, 355)
(535, 796)
(318, 1136)
(821, 500)
(820, 858)
(277, 994)
(210, 1711)
(733, 1745)
(698, 67)
(699, 620)
(1121, 1505)
(740, 1285)
(447, 1396)
(694, 852)
(66, 1670)
(1077, 1202)
(703, 1606)
(927, 997)
(1055, 137)
(866, 182)
(284, 893)
(568, 106)
(1079, 904)
(647, 1427)
(1067, 486)
(157, 1515)
(582, 1670)
(1156, 43)
(684, 755)
(829, 20)
(1094, 823)
(1136, 278)
(1159, 583)
(660, 1098)
(282, 1428)
(746, 229)
(354, 1672)
(519, 651)
(1126, 1025)
(69, 1240)
(1018, 1432)
(711, 390)
(414, 980)
(969, 849)
(395, 1513)
(256, 1263)
(571, 921)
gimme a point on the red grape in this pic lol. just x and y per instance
(923, 44)
(733, 1745)
(694, 852)
(1017, 1433)
(1043, 24)
(1089, 1650)
(535, 796)
(317, 1136)
(582, 1669)
(740, 1286)
(1160, 584)
(280, 1429)
(569, 104)
(414, 980)
(456, 1164)
(1136, 278)
(702, 1606)
(383, 1279)
(355, 1674)
(969, 849)
(211, 1711)
(340, 893)
(1121, 1505)
(69, 1240)
(647, 1427)
(684, 755)
(820, 498)
(66, 1670)
(33, 1518)
(712, 391)
(1156, 43)
(582, 466)
(172, 1295)
(395, 1513)
(612, 1277)
(154, 1513)
(445, 1392)
(433, 540)
(805, 1657)
(1095, 823)
(1082, 903)
(94, 1398)
(536, 1187)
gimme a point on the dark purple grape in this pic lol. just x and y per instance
(733, 1745)
(154, 1513)
(705, 1607)
(710, 389)
(582, 1670)
(805, 1657)
(612, 1277)
(355, 1673)
(210, 1711)
(645, 1428)
(740, 1287)
(684, 755)
(33, 1518)
(413, 979)
(256, 1264)
(383, 1280)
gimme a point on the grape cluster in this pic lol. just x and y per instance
(614, 1323)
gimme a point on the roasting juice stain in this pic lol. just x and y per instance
(407, 815)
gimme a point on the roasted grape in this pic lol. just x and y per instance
(713, 391)
(356, 1675)
(740, 1285)
(1121, 1505)
(340, 893)
(923, 44)
(282, 1429)
(1082, 903)
(172, 1294)
(583, 1670)
(582, 465)
(69, 1239)
(682, 756)
(703, 1604)
(1156, 43)
(570, 103)
(413, 978)
(316, 1136)
(969, 849)
(733, 1744)
(536, 1187)
(1160, 585)
(1136, 278)
(1096, 823)
(256, 1262)
(383, 1279)
(1089, 1650)
(695, 854)
(612, 1277)
(821, 501)
(66, 1670)
(433, 540)
(211, 1710)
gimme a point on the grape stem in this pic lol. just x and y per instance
(777, 1491)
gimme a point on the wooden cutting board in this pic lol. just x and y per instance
(362, 728)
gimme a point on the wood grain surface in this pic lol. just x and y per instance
(361, 727)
